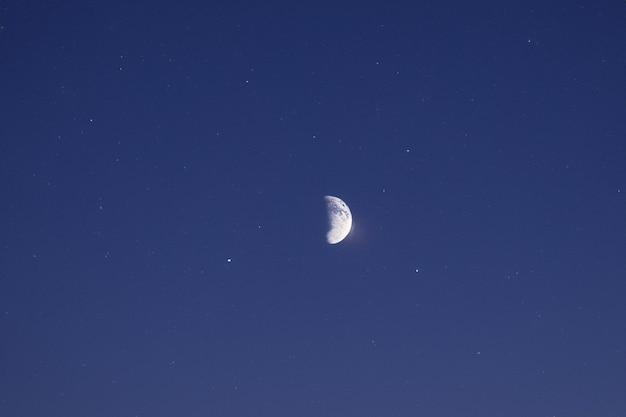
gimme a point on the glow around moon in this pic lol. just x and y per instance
(339, 219)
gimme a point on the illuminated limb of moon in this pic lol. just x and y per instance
(339, 219)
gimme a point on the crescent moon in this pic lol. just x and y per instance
(339, 219)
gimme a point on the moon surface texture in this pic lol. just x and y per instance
(339, 219)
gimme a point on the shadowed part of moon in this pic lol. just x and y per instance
(339, 219)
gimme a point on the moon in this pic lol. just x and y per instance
(339, 219)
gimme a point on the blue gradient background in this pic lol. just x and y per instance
(163, 167)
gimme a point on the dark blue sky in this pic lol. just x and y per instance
(163, 168)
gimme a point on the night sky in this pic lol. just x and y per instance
(163, 226)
